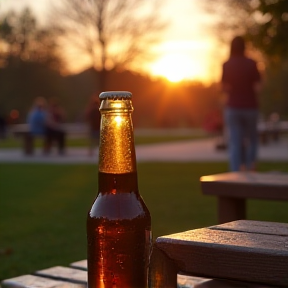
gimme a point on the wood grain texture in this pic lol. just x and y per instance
(64, 273)
(30, 281)
(216, 283)
(259, 227)
(232, 252)
(82, 264)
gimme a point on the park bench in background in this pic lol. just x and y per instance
(251, 251)
(22, 132)
(272, 129)
(233, 188)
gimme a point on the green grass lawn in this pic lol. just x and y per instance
(14, 142)
(43, 208)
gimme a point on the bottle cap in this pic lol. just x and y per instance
(115, 95)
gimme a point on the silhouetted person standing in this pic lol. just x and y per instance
(240, 77)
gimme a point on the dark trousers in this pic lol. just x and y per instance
(57, 136)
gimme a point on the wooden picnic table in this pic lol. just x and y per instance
(233, 188)
(243, 253)
(249, 251)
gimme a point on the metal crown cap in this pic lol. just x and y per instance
(115, 95)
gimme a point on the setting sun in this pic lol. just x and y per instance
(177, 67)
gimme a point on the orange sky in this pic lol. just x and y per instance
(188, 51)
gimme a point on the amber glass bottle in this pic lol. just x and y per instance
(119, 223)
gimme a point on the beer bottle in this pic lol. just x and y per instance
(119, 223)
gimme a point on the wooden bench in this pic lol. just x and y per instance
(271, 130)
(243, 253)
(74, 276)
(27, 141)
(22, 132)
(233, 188)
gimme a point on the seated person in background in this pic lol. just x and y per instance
(54, 127)
(37, 118)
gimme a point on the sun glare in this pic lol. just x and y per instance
(176, 67)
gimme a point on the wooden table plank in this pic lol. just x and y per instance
(252, 226)
(31, 281)
(216, 283)
(82, 264)
(246, 185)
(64, 273)
(230, 252)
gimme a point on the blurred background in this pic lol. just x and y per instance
(168, 54)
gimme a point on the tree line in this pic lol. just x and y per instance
(32, 65)
(33, 62)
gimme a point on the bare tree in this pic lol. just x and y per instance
(114, 33)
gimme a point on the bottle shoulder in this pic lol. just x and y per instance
(119, 206)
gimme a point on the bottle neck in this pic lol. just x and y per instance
(117, 183)
(116, 149)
